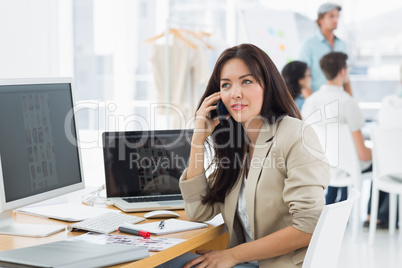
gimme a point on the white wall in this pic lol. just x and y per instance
(29, 39)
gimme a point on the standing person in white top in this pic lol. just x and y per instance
(389, 116)
(335, 102)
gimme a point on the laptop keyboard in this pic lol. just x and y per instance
(153, 198)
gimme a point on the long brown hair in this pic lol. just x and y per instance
(228, 139)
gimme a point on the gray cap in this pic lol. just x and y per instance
(324, 8)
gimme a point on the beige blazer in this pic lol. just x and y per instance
(285, 187)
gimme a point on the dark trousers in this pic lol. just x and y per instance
(383, 205)
(332, 192)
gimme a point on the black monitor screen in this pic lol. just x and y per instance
(145, 162)
(38, 153)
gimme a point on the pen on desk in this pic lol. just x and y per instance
(134, 232)
(162, 224)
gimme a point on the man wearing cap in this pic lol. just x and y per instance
(323, 42)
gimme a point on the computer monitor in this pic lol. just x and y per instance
(39, 156)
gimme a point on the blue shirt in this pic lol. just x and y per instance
(299, 100)
(312, 51)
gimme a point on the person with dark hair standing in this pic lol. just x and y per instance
(335, 103)
(323, 42)
(298, 80)
(267, 185)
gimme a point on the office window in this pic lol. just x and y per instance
(110, 59)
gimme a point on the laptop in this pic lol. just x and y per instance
(143, 168)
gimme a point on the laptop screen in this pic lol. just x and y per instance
(143, 163)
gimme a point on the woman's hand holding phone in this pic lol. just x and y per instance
(204, 125)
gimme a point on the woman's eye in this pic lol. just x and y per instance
(225, 85)
(247, 82)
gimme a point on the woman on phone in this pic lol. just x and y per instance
(263, 179)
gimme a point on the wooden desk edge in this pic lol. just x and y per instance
(212, 232)
(179, 249)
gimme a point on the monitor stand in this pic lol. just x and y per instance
(9, 227)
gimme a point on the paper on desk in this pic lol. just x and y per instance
(66, 212)
(171, 226)
(151, 243)
(217, 220)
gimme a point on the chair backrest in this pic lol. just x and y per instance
(326, 241)
(340, 150)
(387, 151)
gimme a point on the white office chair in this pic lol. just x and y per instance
(340, 150)
(326, 241)
(387, 175)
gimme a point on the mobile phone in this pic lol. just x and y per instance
(220, 112)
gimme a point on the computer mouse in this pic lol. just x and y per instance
(159, 214)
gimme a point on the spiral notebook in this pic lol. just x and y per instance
(170, 226)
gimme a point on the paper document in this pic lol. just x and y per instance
(151, 243)
(170, 226)
(66, 212)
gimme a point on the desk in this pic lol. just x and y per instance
(212, 237)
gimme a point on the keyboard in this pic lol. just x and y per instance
(105, 223)
(153, 198)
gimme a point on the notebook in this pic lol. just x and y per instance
(143, 168)
(71, 254)
(170, 226)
